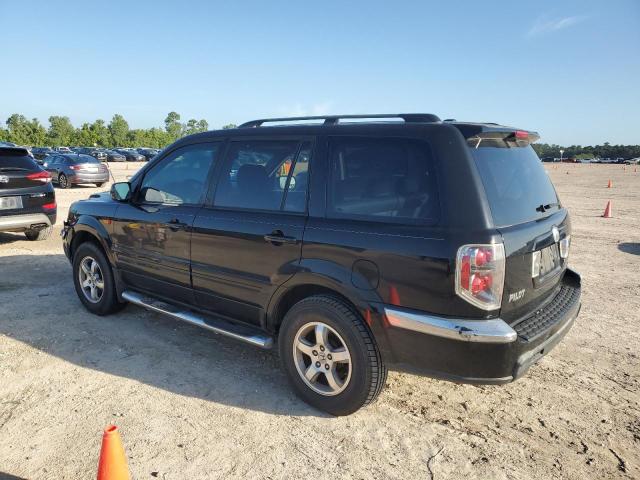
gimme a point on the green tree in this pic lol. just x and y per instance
(172, 126)
(119, 131)
(195, 126)
(229, 125)
(25, 132)
(101, 133)
(60, 132)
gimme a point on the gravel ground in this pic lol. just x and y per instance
(191, 404)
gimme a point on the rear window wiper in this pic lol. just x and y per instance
(543, 208)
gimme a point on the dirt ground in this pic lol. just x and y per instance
(191, 404)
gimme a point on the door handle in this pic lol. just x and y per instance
(277, 237)
(174, 225)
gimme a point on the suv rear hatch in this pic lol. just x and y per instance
(23, 184)
(529, 216)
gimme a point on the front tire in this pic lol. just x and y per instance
(330, 356)
(100, 184)
(93, 279)
(38, 235)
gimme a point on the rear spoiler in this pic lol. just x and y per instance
(518, 138)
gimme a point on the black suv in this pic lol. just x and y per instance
(358, 242)
(27, 198)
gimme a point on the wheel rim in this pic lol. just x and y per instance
(91, 279)
(322, 358)
(63, 181)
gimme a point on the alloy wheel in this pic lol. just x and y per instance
(322, 358)
(91, 279)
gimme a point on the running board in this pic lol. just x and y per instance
(217, 325)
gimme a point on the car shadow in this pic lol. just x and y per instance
(41, 309)
(8, 476)
(629, 247)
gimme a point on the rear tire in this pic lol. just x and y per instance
(37, 235)
(100, 184)
(63, 181)
(96, 279)
(356, 367)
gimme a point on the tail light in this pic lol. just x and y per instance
(49, 206)
(75, 167)
(480, 275)
(42, 176)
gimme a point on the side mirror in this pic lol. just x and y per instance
(121, 191)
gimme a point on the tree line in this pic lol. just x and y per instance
(577, 151)
(117, 133)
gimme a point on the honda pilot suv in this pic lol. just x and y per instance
(27, 198)
(353, 243)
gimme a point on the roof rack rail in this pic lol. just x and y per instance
(334, 119)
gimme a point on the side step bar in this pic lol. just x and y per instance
(217, 325)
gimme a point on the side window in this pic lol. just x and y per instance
(256, 174)
(387, 179)
(296, 197)
(181, 177)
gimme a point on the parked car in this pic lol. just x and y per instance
(40, 153)
(7, 144)
(633, 161)
(27, 198)
(97, 153)
(148, 153)
(435, 247)
(72, 169)
(131, 155)
(63, 149)
(113, 156)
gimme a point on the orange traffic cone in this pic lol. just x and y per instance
(608, 211)
(113, 462)
(609, 185)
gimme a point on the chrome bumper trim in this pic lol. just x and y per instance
(494, 330)
(25, 220)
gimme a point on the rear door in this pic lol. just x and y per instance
(248, 241)
(527, 212)
(152, 233)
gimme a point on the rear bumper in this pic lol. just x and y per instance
(27, 221)
(89, 178)
(480, 351)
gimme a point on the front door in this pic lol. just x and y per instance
(249, 241)
(152, 233)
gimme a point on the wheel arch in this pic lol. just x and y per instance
(89, 229)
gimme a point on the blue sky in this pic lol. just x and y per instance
(568, 69)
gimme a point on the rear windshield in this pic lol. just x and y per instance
(11, 159)
(517, 186)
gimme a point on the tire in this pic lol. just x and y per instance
(63, 181)
(38, 235)
(359, 381)
(106, 301)
(100, 184)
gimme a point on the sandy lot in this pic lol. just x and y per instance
(194, 405)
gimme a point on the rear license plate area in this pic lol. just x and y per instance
(546, 262)
(10, 203)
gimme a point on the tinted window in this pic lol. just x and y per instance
(383, 179)
(256, 173)
(296, 197)
(180, 178)
(16, 159)
(515, 182)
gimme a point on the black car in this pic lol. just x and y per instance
(148, 153)
(40, 153)
(434, 247)
(96, 153)
(74, 169)
(131, 155)
(27, 198)
(113, 156)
